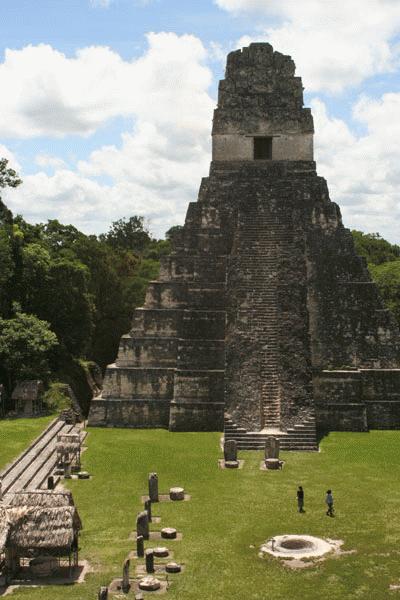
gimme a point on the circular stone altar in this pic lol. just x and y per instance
(168, 533)
(149, 584)
(231, 464)
(177, 493)
(173, 567)
(297, 546)
(161, 552)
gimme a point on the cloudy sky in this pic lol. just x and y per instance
(106, 105)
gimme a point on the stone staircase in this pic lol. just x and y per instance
(302, 436)
(263, 241)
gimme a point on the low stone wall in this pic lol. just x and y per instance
(129, 413)
(357, 400)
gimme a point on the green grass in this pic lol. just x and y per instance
(232, 512)
(17, 434)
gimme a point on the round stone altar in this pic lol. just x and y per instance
(161, 552)
(168, 533)
(173, 567)
(149, 584)
(297, 546)
(177, 493)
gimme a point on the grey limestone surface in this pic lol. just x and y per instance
(263, 310)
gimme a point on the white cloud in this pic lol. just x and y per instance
(335, 44)
(10, 156)
(156, 170)
(101, 3)
(45, 160)
(363, 172)
(45, 93)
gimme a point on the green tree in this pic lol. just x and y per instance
(25, 345)
(387, 278)
(374, 248)
(128, 234)
(8, 178)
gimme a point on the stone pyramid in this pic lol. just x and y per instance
(263, 314)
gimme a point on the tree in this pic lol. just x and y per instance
(25, 345)
(8, 178)
(387, 278)
(127, 234)
(374, 248)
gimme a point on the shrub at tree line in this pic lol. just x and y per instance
(66, 297)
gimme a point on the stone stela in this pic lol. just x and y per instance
(140, 546)
(263, 311)
(125, 576)
(103, 593)
(142, 525)
(153, 487)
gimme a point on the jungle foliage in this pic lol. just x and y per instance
(65, 295)
(383, 261)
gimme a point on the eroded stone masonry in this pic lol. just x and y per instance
(263, 311)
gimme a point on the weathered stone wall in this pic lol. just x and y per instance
(358, 400)
(263, 307)
(237, 147)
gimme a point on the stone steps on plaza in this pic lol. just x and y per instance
(300, 437)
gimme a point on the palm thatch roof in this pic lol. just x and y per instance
(4, 528)
(39, 521)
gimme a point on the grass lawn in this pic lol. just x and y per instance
(233, 512)
(17, 434)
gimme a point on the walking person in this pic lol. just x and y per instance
(300, 499)
(329, 503)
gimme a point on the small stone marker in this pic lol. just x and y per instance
(83, 475)
(173, 567)
(103, 593)
(161, 552)
(230, 450)
(147, 508)
(142, 525)
(272, 446)
(140, 546)
(168, 533)
(153, 487)
(177, 493)
(273, 464)
(125, 576)
(149, 584)
(50, 483)
(149, 554)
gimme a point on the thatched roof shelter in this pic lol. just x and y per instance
(30, 389)
(4, 528)
(40, 522)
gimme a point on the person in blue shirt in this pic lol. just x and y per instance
(329, 503)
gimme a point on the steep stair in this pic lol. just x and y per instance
(263, 240)
(302, 436)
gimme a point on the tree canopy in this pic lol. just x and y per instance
(75, 293)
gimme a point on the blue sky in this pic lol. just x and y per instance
(106, 105)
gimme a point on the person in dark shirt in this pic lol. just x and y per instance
(300, 499)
